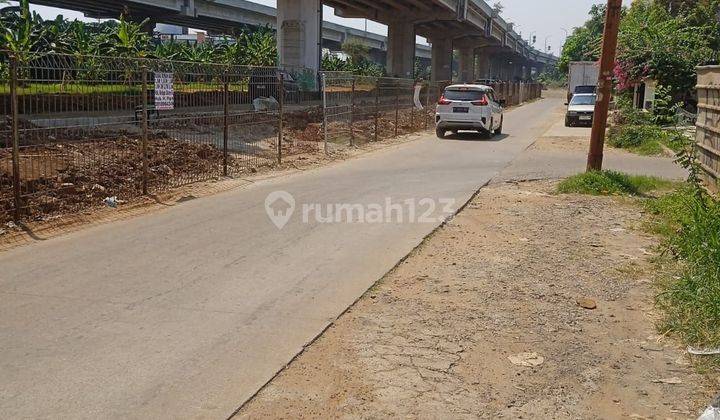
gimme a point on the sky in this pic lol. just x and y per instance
(548, 20)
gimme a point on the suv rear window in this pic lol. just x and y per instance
(464, 95)
(585, 89)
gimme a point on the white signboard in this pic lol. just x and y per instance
(418, 102)
(164, 92)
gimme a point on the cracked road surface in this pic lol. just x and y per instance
(434, 338)
(187, 312)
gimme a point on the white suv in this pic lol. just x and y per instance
(469, 107)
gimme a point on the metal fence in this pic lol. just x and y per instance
(79, 130)
(360, 109)
(708, 123)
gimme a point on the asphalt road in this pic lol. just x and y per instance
(560, 162)
(187, 312)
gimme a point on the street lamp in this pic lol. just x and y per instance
(533, 38)
(567, 34)
(546, 40)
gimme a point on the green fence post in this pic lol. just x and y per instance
(281, 102)
(226, 111)
(145, 163)
(15, 136)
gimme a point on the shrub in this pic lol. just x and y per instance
(643, 139)
(627, 114)
(647, 139)
(690, 219)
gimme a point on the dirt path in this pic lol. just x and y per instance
(433, 338)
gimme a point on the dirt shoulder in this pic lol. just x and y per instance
(433, 339)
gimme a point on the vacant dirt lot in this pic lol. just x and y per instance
(508, 276)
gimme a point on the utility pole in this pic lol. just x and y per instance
(607, 62)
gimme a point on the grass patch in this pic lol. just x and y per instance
(612, 183)
(645, 139)
(690, 300)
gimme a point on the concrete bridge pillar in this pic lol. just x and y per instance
(517, 71)
(527, 72)
(467, 64)
(299, 33)
(483, 70)
(495, 68)
(540, 67)
(442, 52)
(505, 70)
(401, 49)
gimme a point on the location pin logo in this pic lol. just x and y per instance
(280, 206)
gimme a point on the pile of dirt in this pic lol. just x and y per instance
(63, 178)
(310, 136)
(299, 120)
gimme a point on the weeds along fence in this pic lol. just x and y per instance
(79, 129)
(708, 123)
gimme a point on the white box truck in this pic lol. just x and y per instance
(583, 77)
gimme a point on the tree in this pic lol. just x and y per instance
(356, 50)
(128, 40)
(584, 44)
(23, 33)
(260, 48)
(667, 47)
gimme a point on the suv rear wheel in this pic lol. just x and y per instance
(440, 132)
(498, 131)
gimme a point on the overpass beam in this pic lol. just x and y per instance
(401, 49)
(442, 52)
(299, 37)
(467, 64)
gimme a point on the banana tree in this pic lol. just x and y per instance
(23, 33)
(127, 41)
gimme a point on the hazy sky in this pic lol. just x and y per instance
(544, 18)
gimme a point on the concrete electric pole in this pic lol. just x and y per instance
(607, 62)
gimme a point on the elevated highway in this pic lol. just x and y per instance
(488, 46)
(221, 16)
